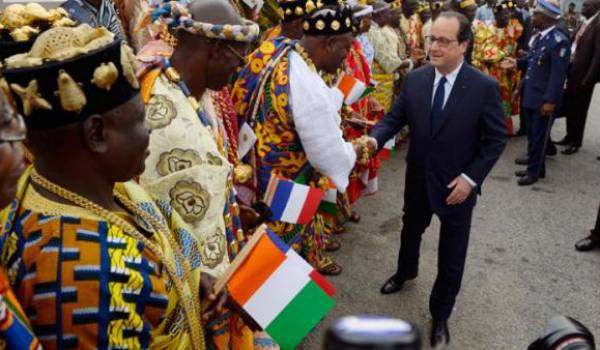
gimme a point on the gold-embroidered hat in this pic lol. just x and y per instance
(70, 74)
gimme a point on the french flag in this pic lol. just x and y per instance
(292, 202)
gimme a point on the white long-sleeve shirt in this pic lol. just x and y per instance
(315, 111)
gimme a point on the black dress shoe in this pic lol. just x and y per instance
(570, 150)
(564, 142)
(524, 160)
(522, 173)
(394, 284)
(526, 181)
(551, 150)
(590, 242)
(440, 335)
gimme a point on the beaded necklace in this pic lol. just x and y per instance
(192, 312)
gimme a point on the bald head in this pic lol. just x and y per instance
(214, 11)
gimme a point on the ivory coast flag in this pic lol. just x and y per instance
(387, 149)
(280, 290)
(353, 89)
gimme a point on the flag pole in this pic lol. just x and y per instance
(240, 258)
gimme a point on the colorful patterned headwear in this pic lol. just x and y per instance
(176, 16)
(70, 74)
(20, 24)
(333, 17)
(550, 8)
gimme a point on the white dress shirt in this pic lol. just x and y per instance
(315, 110)
(585, 24)
(450, 79)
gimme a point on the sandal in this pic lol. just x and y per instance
(355, 217)
(328, 267)
(332, 245)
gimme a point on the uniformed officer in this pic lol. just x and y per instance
(545, 73)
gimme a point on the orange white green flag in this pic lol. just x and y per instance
(280, 290)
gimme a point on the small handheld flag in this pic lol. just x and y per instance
(353, 89)
(387, 149)
(292, 202)
(246, 139)
(278, 289)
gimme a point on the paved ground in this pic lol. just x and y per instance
(521, 269)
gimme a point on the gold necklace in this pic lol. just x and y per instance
(194, 326)
(302, 52)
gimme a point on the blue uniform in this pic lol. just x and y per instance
(546, 69)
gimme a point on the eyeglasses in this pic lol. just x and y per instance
(237, 53)
(441, 41)
(13, 130)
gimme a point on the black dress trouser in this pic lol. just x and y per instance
(452, 249)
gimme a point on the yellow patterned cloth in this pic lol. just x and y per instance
(86, 284)
(389, 54)
(188, 169)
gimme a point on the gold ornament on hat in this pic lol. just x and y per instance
(348, 22)
(105, 75)
(305, 25)
(310, 6)
(6, 90)
(320, 25)
(61, 43)
(335, 25)
(128, 63)
(22, 21)
(299, 11)
(288, 12)
(72, 98)
(30, 97)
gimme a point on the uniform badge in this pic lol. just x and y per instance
(562, 52)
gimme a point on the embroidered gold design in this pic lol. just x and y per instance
(176, 160)
(128, 62)
(190, 200)
(213, 159)
(335, 25)
(320, 25)
(212, 249)
(30, 97)
(160, 111)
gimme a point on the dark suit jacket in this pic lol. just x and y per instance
(585, 68)
(469, 139)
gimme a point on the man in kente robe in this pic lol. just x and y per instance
(295, 117)
(95, 261)
(193, 162)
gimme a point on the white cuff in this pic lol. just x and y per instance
(469, 180)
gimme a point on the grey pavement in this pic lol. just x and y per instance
(521, 268)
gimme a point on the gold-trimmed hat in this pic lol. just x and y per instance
(333, 17)
(295, 9)
(70, 74)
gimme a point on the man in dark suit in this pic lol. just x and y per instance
(584, 73)
(458, 131)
